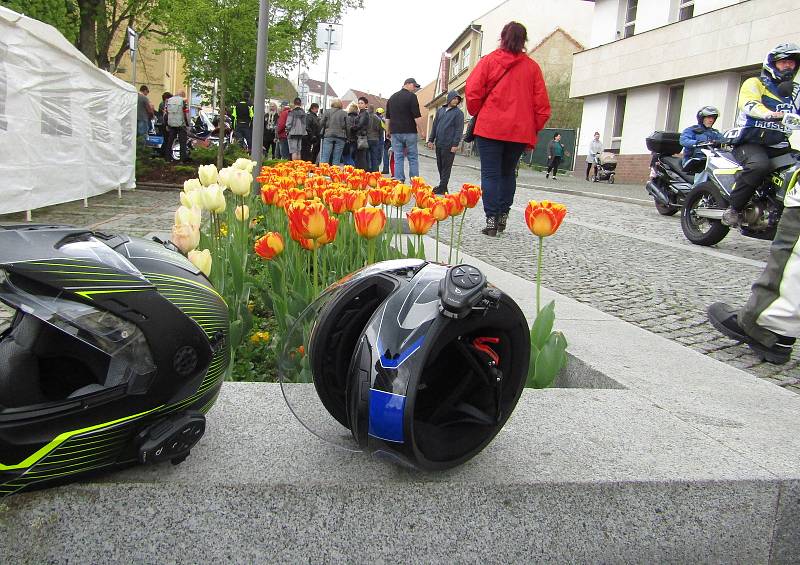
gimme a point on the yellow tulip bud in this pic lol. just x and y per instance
(185, 216)
(208, 174)
(239, 182)
(242, 213)
(192, 184)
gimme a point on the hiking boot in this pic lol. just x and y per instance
(731, 218)
(491, 226)
(725, 319)
(502, 220)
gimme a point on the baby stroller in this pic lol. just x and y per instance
(605, 165)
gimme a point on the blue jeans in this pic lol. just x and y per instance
(385, 170)
(400, 143)
(375, 149)
(498, 173)
(331, 147)
(284, 145)
(142, 127)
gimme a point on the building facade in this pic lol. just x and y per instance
(556, 30)
(314, 92)
(652, 64)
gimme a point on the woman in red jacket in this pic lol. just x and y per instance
(507, 93)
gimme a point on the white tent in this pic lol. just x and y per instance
(67, 128)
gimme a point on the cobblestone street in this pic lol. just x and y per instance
(620, 257)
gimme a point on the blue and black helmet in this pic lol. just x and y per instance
(418, 362)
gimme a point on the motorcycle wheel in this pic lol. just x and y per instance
(665, 210)
(611, 179)
(703, 231)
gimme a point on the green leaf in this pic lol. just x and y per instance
(543, 325)
(549, 361)
(236, 334)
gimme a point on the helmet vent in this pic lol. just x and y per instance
(185, 361)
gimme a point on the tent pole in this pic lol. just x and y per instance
(28, 216)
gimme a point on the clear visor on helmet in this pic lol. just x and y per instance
(315, 404)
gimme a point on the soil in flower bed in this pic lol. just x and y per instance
(161, 172)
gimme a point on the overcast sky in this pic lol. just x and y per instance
(391, 40)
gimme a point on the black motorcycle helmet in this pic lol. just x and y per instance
(707, 112)
(422, 363)
(779, 53)
(111, 351)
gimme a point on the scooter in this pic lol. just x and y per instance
(701, 219)
(669, 181)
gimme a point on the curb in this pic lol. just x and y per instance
(158, 186)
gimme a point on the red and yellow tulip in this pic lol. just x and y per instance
(308, 218)
(369, 221)
(269, 245)
(472, 192)
(545, 217)
(420, 220)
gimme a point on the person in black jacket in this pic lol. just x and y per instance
(446, 133)
(310, 147)
(361, 146)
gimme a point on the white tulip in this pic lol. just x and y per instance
(191, 199)
(244, 164)
(242, 213)
(191, 185)
(214, 199)
(187, 216)
(186, 237)
(208, 174)
(224, 177)
(240, 182)
(201, 260)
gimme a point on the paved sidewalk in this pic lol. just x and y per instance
(564, 184)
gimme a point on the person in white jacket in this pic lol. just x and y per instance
(595, 148)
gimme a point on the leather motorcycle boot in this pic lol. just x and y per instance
(502, 220)
(725, 319)
(491, 226)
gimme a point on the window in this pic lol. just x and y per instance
(674, 107)
(630, 18)
(619, 115)
(56, 114)
(455, 67)
(465, 56)
(685, 10)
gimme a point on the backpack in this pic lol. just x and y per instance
(298, 122)
(175, 112)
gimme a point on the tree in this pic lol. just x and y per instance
(97, 27)
(61, 14)
(217, 39)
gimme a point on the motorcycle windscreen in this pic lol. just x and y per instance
(314, 361)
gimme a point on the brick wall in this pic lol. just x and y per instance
(632, 169)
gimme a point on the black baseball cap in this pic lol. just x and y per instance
(412, 81)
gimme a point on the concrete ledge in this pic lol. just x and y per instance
(686, 460)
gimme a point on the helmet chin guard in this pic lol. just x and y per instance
(414, 361)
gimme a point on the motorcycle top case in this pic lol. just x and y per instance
(664, 142)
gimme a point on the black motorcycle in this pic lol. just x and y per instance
(701, 219)
(669, 182)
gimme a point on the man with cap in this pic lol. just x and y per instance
(446, 133)
(401, 112)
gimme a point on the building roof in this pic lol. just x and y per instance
(551, 34)
(376, 101)
(318, 87)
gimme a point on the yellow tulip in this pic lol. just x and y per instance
(191, 199)
(244, 164)
(213, 198)
(224, 176)
(186, 237)
(208, 174)
(545, 217)
(201, 260)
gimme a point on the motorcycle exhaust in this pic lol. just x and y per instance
(710, 213)
(658, 193)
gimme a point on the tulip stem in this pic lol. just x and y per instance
(370, 251)
(314, 268)
(539, 275)
(452, 237)
(460, 229)
(437, 241)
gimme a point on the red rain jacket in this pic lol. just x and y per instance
(518, 107)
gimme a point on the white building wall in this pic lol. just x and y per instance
(720, 90)
(650, 14)
(604, 22)
(703, 6)
(597, 116)
(540, 18)
(645, 112)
